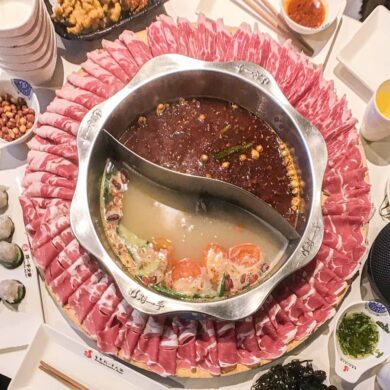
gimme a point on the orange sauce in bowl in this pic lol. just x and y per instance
(308, 13)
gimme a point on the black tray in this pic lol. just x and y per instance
(60, 28)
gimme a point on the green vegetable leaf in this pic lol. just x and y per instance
(378, 354)
(232, 150)
(385, 327)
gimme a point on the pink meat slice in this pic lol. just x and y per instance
(265, 49)
(102, 75)
(206, 36)
(60, 122)
(307, 78)
(91, 84)
(340, 182)
(186, 331)
(105, 61)
(131, 332)
(42, 161)
(45, 203)
(254, 52)
(187, 36)
(64, 260)
(248, 350)
(28, 208)
(98, 317)
(66, 283)
(166, 364)
(171, 34)
(323, 314)
(50, 229)
(46, 253)
(108, 338)
(54, 135)
(80, 96)
(118, 51)
(206, 347)
(87, 295)
(68, 151)
(147, 348)
(156, 39)
(226, 343)
(67, 108)
(48, 191)
(270, 345)
(137, 48)
(240, 42)
(47, 178)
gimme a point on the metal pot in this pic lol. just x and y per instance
(167, 78)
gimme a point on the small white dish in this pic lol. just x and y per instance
(332, 11)
(17, 17)
(367, 55)
(27, 64)
(43, 74)
(30, 35)
(20, 88)
(82, 363)
(24, 49)
(351, 369)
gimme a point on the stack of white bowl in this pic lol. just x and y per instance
(28, 47)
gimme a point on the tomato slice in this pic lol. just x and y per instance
(163, 243)
(245, 254)
(186, 268)
(213, 257)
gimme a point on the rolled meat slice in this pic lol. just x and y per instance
(60, 122)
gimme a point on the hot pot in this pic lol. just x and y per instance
(166, 78)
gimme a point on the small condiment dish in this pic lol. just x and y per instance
(332, 10)
(351, 369)
(20, 88)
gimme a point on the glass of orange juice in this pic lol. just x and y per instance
(376, 119)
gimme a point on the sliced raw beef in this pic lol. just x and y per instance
(137, 48)
(187, 36)
(166, 364)
(206, 347)
(87, 295)
(118, 51)
(61, 122)
(171, 34)
(98, 317)
(270, 345)
(186, 334)
(104, 60)
(108, 339)
(54, 135)
(147, 348)
(48, 191)
(248, 350)
(102, 75)
(131, 332)
(46, 253)
(340, 182)
(47, 178)
(68, 150)
(64, 260)
(156, 39)
(80, 96)
(42, 161)
(253, 53)
(265, 49)
(45, 203)
(67, 108)
(223, 42)
(240, 43)
(89, 83)
(28, 208)
(66, 284)
(226, 343)
(206, 37)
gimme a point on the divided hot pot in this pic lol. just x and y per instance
(168, 78)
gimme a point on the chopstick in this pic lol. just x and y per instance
(276, 22)
(61, 377)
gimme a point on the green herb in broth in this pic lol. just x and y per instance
(232, 150)
(357, 335)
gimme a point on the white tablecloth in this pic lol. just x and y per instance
(320, 347)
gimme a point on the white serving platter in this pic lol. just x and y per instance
(83, 364)
(367, 54)
(19, 323)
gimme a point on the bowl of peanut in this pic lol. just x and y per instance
(19, 110)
